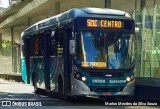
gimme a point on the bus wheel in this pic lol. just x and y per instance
(60, 88)
(36, 90)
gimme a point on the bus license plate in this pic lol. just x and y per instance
(107, 93)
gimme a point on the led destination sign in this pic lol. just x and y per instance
(104, 23)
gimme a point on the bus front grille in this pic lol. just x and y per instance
(100, 74)
(105, 89)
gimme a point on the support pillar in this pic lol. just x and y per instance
(143, 4)
(107, 3)
(136, 4)
(57, 7)
(0, 40)
(29, 21)
(13, 49)
(154, 45)
(142, 9)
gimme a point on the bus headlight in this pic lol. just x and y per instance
(128, 79)
(84, 78)
(79, 76)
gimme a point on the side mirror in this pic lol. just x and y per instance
(72, 46)
(53, 33)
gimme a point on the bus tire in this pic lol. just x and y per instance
(60, 88)
(36, 90)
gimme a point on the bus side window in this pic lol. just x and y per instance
(23, 47)
(32, 46)
(26, 46)
(51, 43)
(37, 45)
(60, 43)
(55, 42)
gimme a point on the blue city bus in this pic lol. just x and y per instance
(81, 52)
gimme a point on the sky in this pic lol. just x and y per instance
(5, 3)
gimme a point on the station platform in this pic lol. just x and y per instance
(12, 76)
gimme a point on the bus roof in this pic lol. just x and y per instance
(73, 13)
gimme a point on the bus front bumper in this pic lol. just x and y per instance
(81, 89)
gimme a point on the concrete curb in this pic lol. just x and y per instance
(13, 77)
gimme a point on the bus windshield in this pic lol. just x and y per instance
(109, 50)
